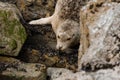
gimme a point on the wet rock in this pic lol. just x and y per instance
(12, 33)
(13, 69)
(100, 35)
(30, 55)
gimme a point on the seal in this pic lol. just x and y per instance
(65, 23)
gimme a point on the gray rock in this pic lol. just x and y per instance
(13, 69)
(12, 33)
(9, 1)
(61, 74)
(65, 74)
(100, 43)
(103, 74)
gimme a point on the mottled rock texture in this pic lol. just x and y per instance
(13, 69)
(34, 9)
(100, 35)
(103, 74)
(12, 33)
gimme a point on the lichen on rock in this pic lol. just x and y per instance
(12, 33)
(102, 19)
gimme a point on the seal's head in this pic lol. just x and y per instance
(67, 35)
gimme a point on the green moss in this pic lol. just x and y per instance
(9, 27)
(12, 29)
(13, 44)
(21, 31)
(12, 24)
(2, 51)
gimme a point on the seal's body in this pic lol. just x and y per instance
(65, 23)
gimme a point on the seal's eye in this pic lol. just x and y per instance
(58, 36)
(68, 38)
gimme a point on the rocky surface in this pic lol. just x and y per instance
(13, 69)
(99, 51)
(65, 74)
(34, 9)
(40, 47)
(12, 33)
(102, 48)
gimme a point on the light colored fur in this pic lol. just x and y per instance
(65, 23)
(67, 34)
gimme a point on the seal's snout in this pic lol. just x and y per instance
(59, 47)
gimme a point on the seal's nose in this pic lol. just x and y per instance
(59, 47)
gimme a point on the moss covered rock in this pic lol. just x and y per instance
(12, 33)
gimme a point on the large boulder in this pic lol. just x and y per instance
(100, 35)
(12, 33)
(13, 69)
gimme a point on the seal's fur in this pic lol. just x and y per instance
(65, 21)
